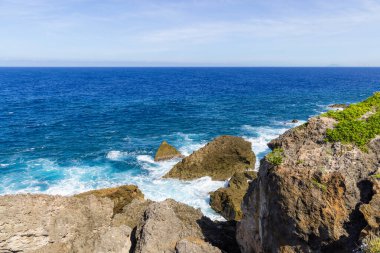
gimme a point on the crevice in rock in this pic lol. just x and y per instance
(133, 240)
(366, 191)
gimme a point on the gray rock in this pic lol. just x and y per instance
(194, 245)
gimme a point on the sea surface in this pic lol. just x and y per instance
(69, 130)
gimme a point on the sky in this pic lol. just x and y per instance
(190, 33)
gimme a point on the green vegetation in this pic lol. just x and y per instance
(351, 127)
(377, 176)
(372, 245)
(275, 157)
(319, 185)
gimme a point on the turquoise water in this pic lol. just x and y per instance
(68, 130)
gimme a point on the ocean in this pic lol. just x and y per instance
(69, 130)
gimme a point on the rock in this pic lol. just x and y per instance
(227, 201)
(195, 245)
(121, 195)
(43, 223)
(116, 239)
(371, 209)
(165, 225)
(339, 106)
(294, 121)
(310, 201)
(219, 159)
(166, 152)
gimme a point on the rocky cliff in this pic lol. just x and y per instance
(89, 223)
(311, 192)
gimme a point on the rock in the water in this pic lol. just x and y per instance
(294, 121)
(42, 223)
(341, 106)
(166, 152)
(310, 201)
(227, 201)
(219, 159)
(121, 195)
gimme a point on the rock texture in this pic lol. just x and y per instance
(121, 195)
(371, 210)
(50, 224)
(219, 159)
(166, 152)
(42, 223)
(311, 201)
(170, 226)
(227, 201)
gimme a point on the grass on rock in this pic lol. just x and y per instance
(352, 127)
(275, 157)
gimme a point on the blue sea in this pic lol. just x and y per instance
(69, 130)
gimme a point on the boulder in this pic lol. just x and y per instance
(121, 195)
(310, 200)
(227, 201)
(294, 121)
(166, 152)
(170, 226)
(219, 159)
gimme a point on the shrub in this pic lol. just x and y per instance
(350, 128)
(275, 157)
(376, 176)
(372, 245)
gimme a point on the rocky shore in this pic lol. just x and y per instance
(317, 191)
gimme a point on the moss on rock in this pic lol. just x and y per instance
(121, 196)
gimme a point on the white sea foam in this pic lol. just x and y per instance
(74, 179)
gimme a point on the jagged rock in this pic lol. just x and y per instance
(371, 209)
(310, 201)
(166, 152)
(294, 121)
(219, 159)
(227, 201)
(43, 223)
(121, 195)
(195, 245)
(166, 224)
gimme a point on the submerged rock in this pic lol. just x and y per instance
(121, 195)
(294, 121)
(219, 159)
(166, 152)
(310, 201)
(227, 201)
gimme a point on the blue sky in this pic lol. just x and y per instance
(189, 33)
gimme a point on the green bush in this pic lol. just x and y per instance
(275, 157)
(376, 176)
(351, 128)
(372, 245)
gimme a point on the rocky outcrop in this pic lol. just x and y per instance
(170, 226)
(219, 159)
(371, 210)
(308, 199)
(121, 196)
(49, 224)
(42, 223)
(166, 152)
(227, 201)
